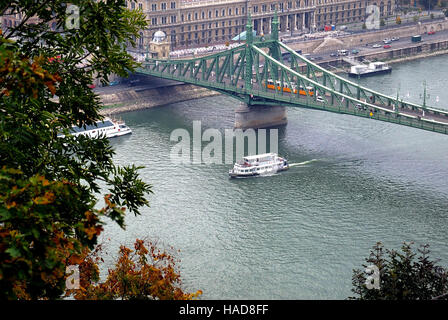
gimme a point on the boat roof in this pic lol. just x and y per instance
(97, 125)
(260, 156)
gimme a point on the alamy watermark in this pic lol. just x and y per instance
(72, 19)
(373, 18)
(373, 280)
(72, 280)
(190, 149)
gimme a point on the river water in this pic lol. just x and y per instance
(300, 233)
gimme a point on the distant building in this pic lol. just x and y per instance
(192, 23)
(159, 47)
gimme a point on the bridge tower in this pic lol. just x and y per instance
(251, 114)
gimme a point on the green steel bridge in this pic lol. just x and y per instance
(256, 74)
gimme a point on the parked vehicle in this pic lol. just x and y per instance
(387, 46)
(416, 38)
(376, 45)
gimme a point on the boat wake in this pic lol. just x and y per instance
(302, 163)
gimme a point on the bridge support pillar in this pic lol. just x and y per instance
(259, 116)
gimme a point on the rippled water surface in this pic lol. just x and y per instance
(297, 234)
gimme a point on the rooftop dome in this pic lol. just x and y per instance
(159, 36)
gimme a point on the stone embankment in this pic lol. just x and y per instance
(143, 98)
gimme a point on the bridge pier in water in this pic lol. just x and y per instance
(259, 116)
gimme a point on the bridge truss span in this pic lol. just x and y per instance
(256, 73)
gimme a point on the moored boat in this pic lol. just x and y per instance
(107, 127)
(369, 70)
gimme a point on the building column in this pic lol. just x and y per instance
(284, 23)
(266, 26)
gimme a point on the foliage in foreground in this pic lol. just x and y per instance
(141, 274)
(403, 275)
(48, 185)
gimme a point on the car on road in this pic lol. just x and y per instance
(355, 51)
(431, 32)
(376, 45)
(334, 54)
(387, 46)
(387, 41)
(320, 99)
(395, 38)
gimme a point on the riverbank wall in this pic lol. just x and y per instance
(144, 98)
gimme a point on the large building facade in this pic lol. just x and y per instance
(191, 23)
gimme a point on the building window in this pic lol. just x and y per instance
(154, 7)
(173, 19)
(163, 6)
(173, 5)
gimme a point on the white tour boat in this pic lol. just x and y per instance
(258, 165)
(108, 127)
